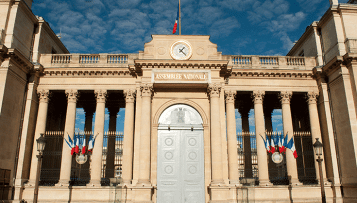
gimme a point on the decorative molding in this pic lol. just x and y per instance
(272, 74)
(86, 73)
(43, 95)
(285, 97)
(130, 95)
(230, 96)
(312, 97)
(101, 95)
(258, 96)
(214, 89)
(146, 89)
(72, 96)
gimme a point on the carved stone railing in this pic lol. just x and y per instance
(273, 62)
(79, 60)
(351, 45)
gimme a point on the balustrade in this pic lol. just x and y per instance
(63, 58)
(89, 58)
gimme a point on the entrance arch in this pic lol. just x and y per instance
(180, 155)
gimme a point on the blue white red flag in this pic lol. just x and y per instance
(76, 148)
(285, 143)
(291, 146)
(84, 145)
(175, 25)
(281, 143)
(266, 143)
(272, 144)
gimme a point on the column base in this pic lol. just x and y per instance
(62, 183)
(234, 183)
(217, 183)
(94, 183)
(295, 182)
(30, 183)
(143, 183)
(265, 183)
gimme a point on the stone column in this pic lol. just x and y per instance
(109, 169)
(66, 162)
(216, 142)
(232, 138)
(288, 130)
(40, 128)
(260, 130)
(145, 135)
(128, 136)
(96, 165)
(315, 130)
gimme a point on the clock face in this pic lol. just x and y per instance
(181, 50)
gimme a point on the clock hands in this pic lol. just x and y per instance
(181, 50)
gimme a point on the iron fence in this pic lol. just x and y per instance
(112, 157)
(52, 155)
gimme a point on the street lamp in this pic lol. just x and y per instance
(41, 142)
(318, 151)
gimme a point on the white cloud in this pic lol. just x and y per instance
(224, 27)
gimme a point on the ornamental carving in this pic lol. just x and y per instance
(285, 97)
(129, 96)
(101, 95)
(230, 96)
(146, 90)
(312, 97)
(43, 95)
(258, 96)
(72, 96)
(214, 89)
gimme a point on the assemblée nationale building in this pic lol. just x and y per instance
(181, 97)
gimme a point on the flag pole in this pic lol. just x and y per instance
(179, 17)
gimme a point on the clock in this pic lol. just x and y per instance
(181, 50)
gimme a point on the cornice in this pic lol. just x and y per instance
(86, 73)
(334, 64)
(16, 57)
(142, 64)
(301, 74)
(349, 57)
(309, 31)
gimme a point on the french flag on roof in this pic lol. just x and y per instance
(175, 25)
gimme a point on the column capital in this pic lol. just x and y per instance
(130, 95)
(43, 95)
(72, 96)
(230, 96)
(101, 95)
(214, 89)
(312, 97)
(285, 97)
(258, 96)
(146, 89)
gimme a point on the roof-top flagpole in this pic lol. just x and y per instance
(179, 17)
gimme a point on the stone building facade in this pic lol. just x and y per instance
(181, 99)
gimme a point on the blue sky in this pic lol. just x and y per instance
(238, 27)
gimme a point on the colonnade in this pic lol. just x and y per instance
(214, 93)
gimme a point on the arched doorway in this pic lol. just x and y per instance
(180, 156)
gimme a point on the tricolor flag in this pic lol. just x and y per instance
(84, 145)
(91, 142)
(76, 148)
(175, 25)
(285, 143)
(266, 143)
(272, 144)
(70, 144)
(291, 146)
(281, 143)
